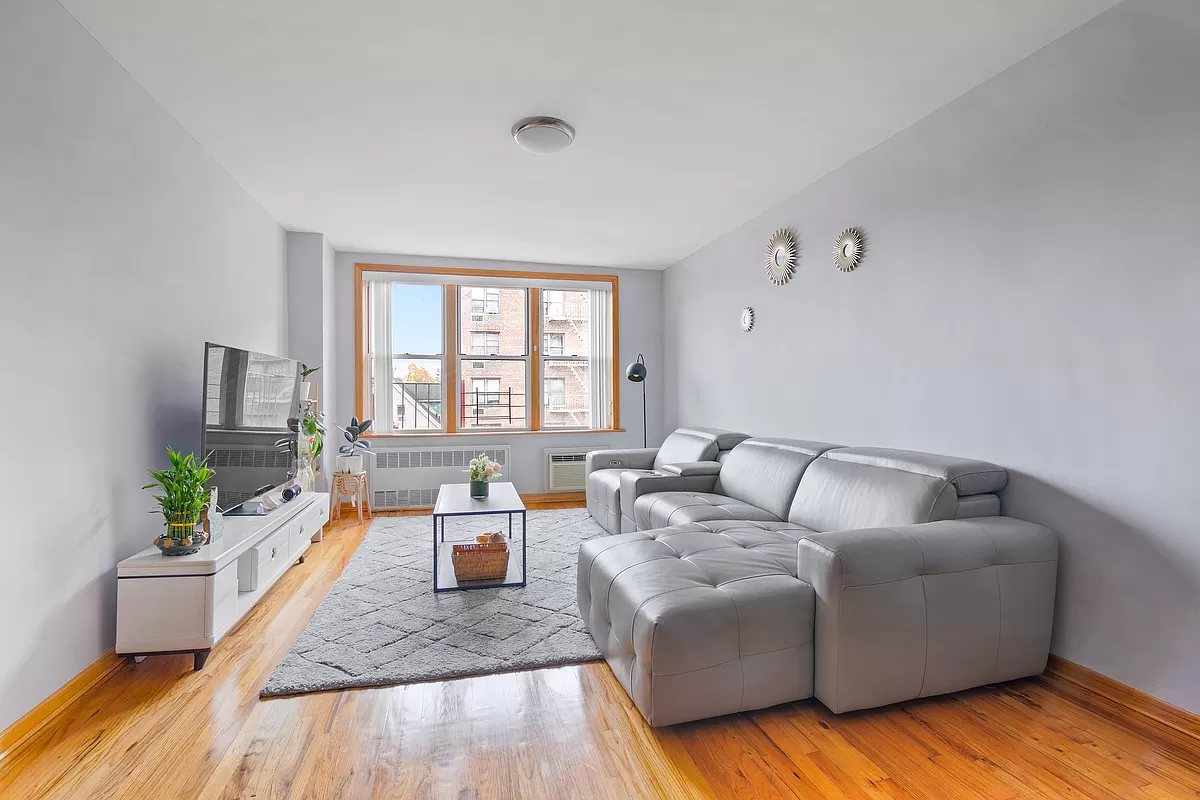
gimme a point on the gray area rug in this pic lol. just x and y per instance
(381, 623)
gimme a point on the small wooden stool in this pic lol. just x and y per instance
(349, 484)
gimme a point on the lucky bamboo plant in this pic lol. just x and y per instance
(183, 495)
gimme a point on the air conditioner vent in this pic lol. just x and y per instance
(565, 469)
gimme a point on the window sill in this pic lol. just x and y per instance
(493, 433)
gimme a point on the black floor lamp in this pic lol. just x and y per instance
(636, 372)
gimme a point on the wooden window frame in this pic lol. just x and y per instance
(450, 335)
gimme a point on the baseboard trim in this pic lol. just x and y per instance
(1128, 700)
(555, 497)
(23, 729)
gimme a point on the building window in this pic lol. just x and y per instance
(553, 344)
(485, 392)
(543, 362)
(556, 394)
(485, 343)
(485, 300)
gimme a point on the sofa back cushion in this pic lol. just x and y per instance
(685, 445)
(766, 472)
(870, 487)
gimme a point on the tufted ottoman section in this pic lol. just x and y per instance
(702, 619)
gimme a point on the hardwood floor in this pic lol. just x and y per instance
(159, 730)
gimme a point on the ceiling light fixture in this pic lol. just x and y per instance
(543, 134)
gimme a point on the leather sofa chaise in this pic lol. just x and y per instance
(604, 468)
(863, 576)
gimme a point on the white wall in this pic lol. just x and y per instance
(640, 332)
(125, 247)
(1031, 295)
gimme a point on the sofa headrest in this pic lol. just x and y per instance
(866, 487)
(686, 445)
(766, 472)
(968, 475)
(726, 440)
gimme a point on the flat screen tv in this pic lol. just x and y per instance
(251, 406)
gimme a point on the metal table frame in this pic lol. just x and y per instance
(439, 539)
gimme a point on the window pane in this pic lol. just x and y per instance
(565, 323)
(566, 396)
(416, 319)
(416, 394)
(493, 394)
(492, 321)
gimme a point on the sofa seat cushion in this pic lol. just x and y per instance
(664, 509)
(604, 496)
(780, 540)
(697, 623)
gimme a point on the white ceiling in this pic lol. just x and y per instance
(384, 124)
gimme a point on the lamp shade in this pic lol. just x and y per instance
(636, 371)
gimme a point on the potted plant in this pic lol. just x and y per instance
(351, 458)
(482, 470)
(312, 431)
(182, 498)
(306, 384)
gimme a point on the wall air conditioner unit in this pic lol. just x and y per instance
(477, 318)
(564, 468)
(410, 477)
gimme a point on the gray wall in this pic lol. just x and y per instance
(640, 332)
(312, 322)
(125, 247)
(1031, 295)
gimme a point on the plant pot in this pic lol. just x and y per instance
(479, 490)
(351, 464)
(181, 538)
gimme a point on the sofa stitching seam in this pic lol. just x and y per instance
(924, 604)
(741, 666)
(948, 572)
(999, 594)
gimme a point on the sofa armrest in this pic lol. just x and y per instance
(640, 458)
(920, 610)
(636, 484)
(692, 468)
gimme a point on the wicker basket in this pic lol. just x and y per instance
(480, 562)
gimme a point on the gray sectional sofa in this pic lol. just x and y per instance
(784, 569)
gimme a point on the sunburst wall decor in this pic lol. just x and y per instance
(782, 251)
(849, 250)
(747, 319)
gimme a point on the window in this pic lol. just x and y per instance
(485, 343)
(405, 356)
(566, 358)
(556, 394)
(485, 301)
(485, 391)
(509, 350)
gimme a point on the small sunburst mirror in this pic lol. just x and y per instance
(781, 257)
(848, 252)
(747, 319)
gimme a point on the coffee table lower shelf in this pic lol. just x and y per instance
(447, 582)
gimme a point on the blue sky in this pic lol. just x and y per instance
(416, 318)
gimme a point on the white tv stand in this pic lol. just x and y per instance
(185, 604)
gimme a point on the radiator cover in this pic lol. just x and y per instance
(410, 477)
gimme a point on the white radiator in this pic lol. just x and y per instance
(410, 477)
(564, 468)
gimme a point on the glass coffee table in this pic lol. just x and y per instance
(454, 500)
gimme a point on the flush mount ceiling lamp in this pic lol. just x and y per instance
(543, 134)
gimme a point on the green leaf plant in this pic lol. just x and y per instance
(352, 432)
(183, 495)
